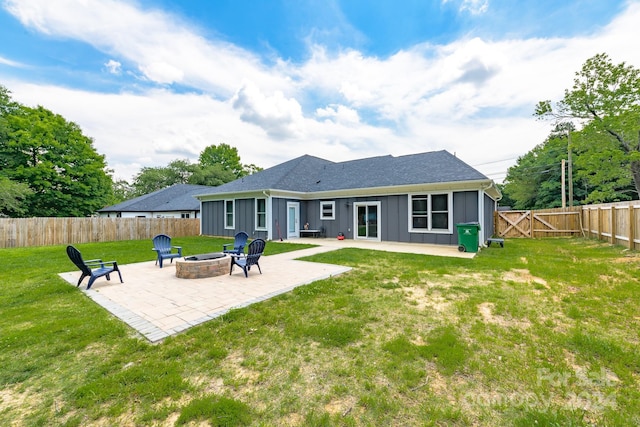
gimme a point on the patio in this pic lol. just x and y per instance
(157, 304)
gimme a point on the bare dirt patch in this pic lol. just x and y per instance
(523, 276)
(447, 281)
(340, 406)
(13, 399)
(627, 259)
(209, 385)
(394, 280)
(486, 311)
(423, 299)
(293, 419)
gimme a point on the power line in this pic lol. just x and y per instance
(495, 161)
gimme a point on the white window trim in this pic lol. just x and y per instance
(233, 214)
(429, 229)
(266, 218)
(333, 210)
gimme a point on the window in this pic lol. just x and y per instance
(229, 214)
(261, 214)
(327, 210)
(420, 212)
(440, 211)
(184, 215)
(430, 212)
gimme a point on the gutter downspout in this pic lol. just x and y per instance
(269, 215)
(481, 193)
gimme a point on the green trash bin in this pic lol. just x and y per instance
(468, 236)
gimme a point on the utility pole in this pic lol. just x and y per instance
(564, 195)
(570, 170)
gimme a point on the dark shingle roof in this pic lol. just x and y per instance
(310, 174)
(179, 197)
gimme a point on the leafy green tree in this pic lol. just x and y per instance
(605, 97)
(217, 165)
(224, 155)
(535, 182)
(122, 191)
(66, 175)
(212, 175)
(12, 196)
(151, 179)
(602, 167)
(227, 157)
(250, 169)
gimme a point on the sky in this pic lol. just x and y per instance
(152, 81)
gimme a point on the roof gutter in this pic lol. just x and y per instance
(484, 185)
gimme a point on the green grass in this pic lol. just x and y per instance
(540, 332)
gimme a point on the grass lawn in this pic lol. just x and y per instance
(540, 332)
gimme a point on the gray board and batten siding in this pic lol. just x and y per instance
(387, 181)
(393, 213)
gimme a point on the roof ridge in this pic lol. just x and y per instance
(301, 162)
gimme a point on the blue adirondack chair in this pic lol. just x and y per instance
(162, 246)
(256, 248)
(92, 268)
(240, 241)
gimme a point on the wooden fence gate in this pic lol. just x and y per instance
(538, 223)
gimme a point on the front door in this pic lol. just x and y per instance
(367, 220)
(293, 220)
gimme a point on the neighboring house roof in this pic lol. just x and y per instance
(179, 197)
(308, 174)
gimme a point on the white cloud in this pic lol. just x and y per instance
(474, 97)
(280, 117)
(339, 114)
(166, 49)
(475, 7)
(5, 61)
(113, 67)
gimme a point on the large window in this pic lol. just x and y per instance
(327, 210)
(261, 214)
(430, 212)
(229, 214)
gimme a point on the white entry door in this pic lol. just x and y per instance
(293, 220)
(367, 220)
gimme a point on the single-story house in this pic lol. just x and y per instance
(176, 201)
(414, 198)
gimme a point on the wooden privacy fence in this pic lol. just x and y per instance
(24, 232)
(617, 223)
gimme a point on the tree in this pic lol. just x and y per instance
(65, 174)
(212, 175)
(12, 196)
(227, 157)
(250, 169)
(224, 155)
(602, 167)
(605, 98)
(217, 165)
(151, 179)
(122, 191)
(535, 182)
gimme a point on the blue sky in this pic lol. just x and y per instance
(154, 81)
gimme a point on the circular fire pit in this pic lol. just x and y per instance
(201, 266)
